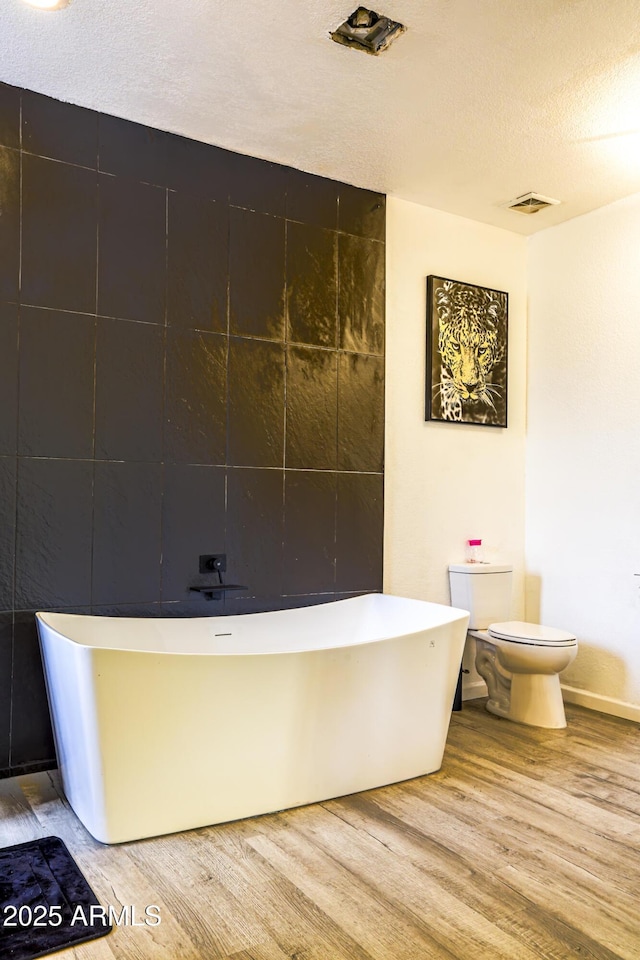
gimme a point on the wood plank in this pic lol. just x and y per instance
(201, 903)
(18, 822)
(376, 894)
(288, 915)
(455, 867)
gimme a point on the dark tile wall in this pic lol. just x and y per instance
(191, 361)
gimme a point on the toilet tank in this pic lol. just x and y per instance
(484, 589)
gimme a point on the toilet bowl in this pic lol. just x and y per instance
(520, 662)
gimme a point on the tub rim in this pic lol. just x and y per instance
(449, 615)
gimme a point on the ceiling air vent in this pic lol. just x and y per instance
(368, 31)
(531, 203)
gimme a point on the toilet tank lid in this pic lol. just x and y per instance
(480, 568)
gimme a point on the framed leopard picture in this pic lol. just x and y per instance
(466, 379)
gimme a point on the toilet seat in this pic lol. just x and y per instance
(531, 634)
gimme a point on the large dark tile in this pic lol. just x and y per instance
(312, 199)
(132, 250)
(197, 266)
(8, 378)
(256, 403)
(254, 530)
(37, 766)
(7, 530)
(359, 532)
(193, 523)
(31, 735)
(360, 412)
(240, 605)
(312, 408)
(256, 274)
(362, 212)
(57, 352)
(196, 397)
(129, 390)
(61, 131)
(9, 223)
(309, 532)
(312, 284)
(131, 150)
(198, 168)
(236, 603)
(257, 184)
(59, 228)
(6, 658)
(9, 115)
(361, 294)
(305, 600)
(135, 610)
(53, 535)
(126, 533)
(186, 609)
(75, 608)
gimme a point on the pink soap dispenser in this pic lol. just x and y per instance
(474, 551)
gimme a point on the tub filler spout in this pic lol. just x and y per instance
(215, 562)
(216, 590)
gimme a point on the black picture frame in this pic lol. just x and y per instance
(467, 352)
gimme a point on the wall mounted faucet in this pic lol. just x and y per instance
(215, 563)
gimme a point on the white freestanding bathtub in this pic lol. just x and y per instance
(168, 724)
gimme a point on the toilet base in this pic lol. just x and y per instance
(536, 700)
(492, 706)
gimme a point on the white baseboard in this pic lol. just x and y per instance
(474, 689)
(596, 701)
(584, 698)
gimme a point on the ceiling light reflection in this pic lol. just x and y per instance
(48, 4)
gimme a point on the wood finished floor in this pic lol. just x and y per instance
(524, 846)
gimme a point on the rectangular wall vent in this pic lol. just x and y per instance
(366, 30)
(531, 203)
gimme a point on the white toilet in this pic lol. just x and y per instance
(520, 662)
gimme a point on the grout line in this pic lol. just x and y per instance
(285, 310)
(95, 383)
(336, 255)
(17, 416)
(213, 333)
(13, 651)
(187, 463)
(95, 322)
(20, 207)
(227, 411)
(228, 354)
(17, 423)
(163, 412)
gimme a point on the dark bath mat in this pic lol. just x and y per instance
(45, 902)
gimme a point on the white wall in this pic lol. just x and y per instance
(583, 447)
(444, 482)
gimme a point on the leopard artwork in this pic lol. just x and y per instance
(471, 344)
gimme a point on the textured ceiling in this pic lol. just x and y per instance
(478, 102)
